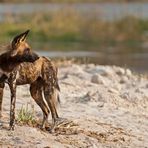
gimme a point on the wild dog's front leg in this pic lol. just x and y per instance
(12, 86)
(2, 85)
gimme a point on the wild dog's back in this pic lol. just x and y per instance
(44, 68)
(27, 73)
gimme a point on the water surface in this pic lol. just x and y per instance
(137, 62)
(107, 11)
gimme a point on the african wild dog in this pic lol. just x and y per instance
(42, 77)
(17, 52)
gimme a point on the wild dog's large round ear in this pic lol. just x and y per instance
(19, 38)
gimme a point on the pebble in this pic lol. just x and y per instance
(125, 95)
(120, 71)
(97, 79)
(124, 79)
(100, 104)
(112, 90)
(128, 73)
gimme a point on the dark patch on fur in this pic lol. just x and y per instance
(3, 78)
(18, 51)
(8, 63)
(42, 77)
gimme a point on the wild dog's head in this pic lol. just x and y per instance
(20, 50)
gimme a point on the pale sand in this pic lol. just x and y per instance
(108, 107)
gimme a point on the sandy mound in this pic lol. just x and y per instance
(108, 107)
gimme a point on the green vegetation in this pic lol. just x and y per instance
(26, 116)
(61, 29)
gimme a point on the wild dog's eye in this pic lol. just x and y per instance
(27, 50)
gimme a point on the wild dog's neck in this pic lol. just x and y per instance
(8, 63)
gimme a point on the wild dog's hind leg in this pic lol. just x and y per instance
(50, 97)
(2, 85)
(36, 93)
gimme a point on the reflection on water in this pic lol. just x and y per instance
(136, 62)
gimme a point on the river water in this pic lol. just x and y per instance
(107, 11)
(136, 62)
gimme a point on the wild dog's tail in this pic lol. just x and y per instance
(57, 86)
(57, 92)
(51, 74)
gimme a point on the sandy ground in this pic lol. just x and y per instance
(108, 107)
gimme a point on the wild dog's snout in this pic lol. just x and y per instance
(33, 57)
(36, 57)
(30, 56)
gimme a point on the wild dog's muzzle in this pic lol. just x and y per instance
(32, 57)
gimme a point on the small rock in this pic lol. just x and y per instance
(97, 79)
(90, 66)
(138, 90)
(125, 95)
(112, 90)
(120, 71)
(107, 72)
(123, 79)
(77, 69)
(100, 104)
(117, 87)
(128, 73)
(133, 84)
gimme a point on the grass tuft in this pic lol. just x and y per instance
(26, 115)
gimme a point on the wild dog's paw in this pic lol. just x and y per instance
(56, 123)
(41, 127)
(62, 125)
(11, 128)
(62, 122)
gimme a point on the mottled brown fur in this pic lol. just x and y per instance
(41, 74)
(42, 77)
(17, 52)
